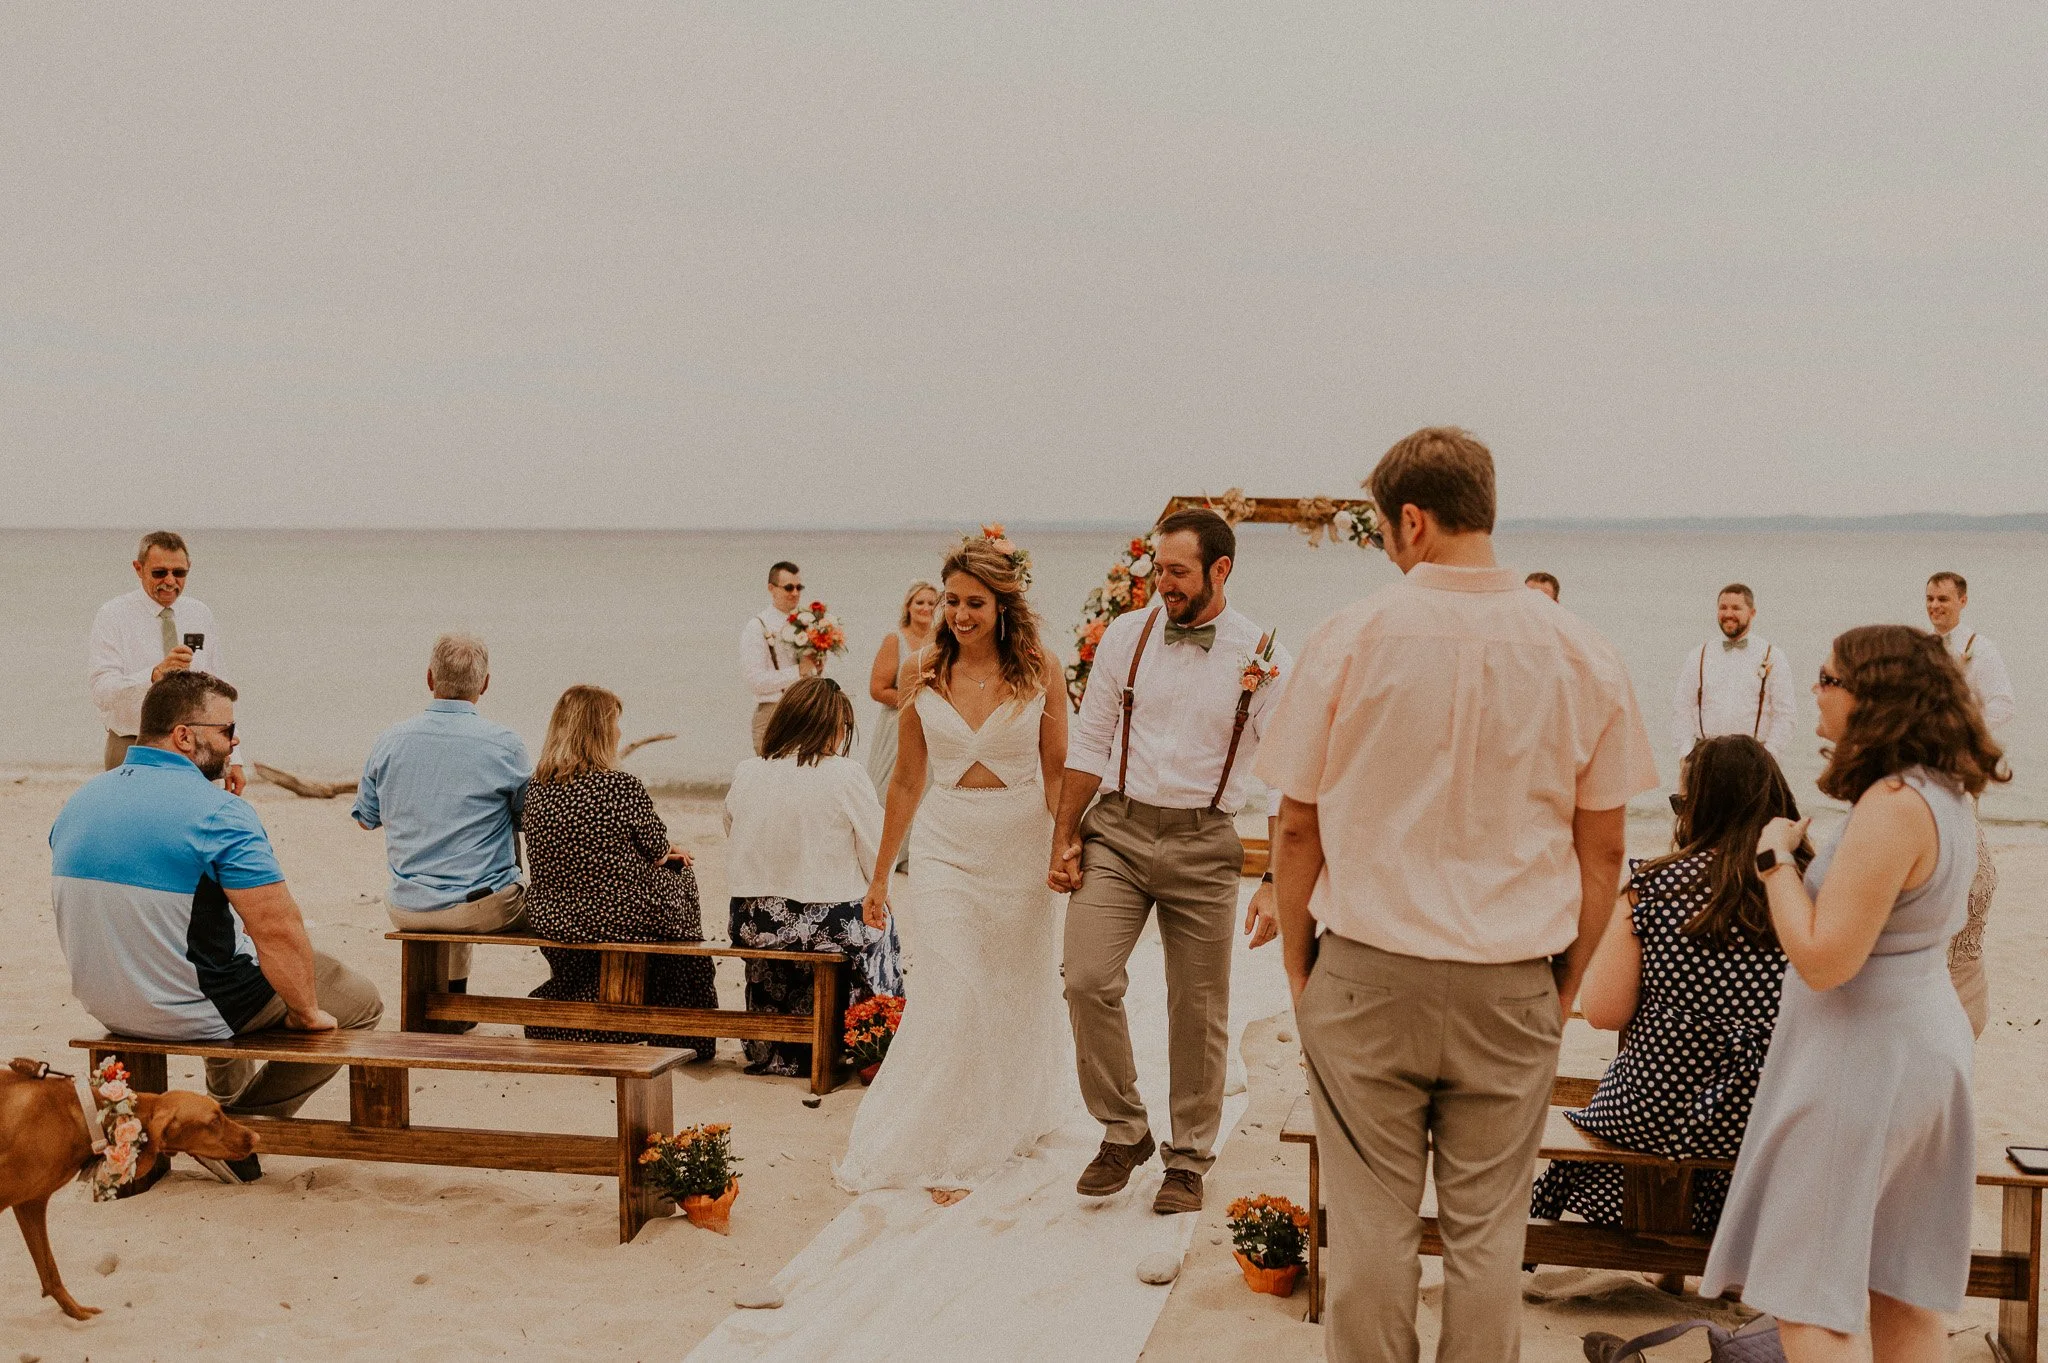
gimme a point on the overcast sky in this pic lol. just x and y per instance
(728, 264)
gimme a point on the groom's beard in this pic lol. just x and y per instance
(1192, 611)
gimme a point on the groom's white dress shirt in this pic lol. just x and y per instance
(1726, 702)
(1186, 707)
(1984, 665)
(128, 643)
(769, 667)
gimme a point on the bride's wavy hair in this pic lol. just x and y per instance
(1017, 644)
(1914, 708)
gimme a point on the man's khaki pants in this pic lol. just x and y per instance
(278, 1089)
(761, 714)
(1186, 862)
(504, 911)
(116, 751)
(1405, 1056)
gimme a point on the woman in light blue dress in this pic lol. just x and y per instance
(1850, 1207)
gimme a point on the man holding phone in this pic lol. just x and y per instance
(142, 637)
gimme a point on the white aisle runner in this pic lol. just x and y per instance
(1023, 1269)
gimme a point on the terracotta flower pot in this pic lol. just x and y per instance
(868, 1072)
(1278, 1282)
(712, 1213)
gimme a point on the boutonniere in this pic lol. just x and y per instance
(1763, 670)
(1257, 670)
(124, 1133)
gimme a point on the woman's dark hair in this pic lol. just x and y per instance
(812, 721)
(1732, 788)
(1914, 708)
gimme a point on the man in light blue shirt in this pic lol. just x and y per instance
(447, 787)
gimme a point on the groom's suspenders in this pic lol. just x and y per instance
(1244, 712)
(1130, 697)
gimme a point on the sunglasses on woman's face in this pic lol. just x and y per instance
(1828, 679)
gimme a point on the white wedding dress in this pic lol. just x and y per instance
(983, 1065)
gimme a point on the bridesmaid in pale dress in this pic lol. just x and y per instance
(913, 631)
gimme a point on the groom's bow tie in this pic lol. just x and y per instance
(1730, 645)
(1203, 638)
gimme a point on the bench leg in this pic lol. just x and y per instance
(1315, 1234)
(621, 977)
(1656, 1200)
(828, 1025)
(2018, 1338)
(646, 1106)
(146, 1073)
(422, 971)
(380, 1097)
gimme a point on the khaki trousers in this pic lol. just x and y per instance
(116, 751)
(761, 714)
(1186, 862)
(503, 911)
(1407, 1057)
(278, 1089)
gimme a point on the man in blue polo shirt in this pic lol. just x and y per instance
(447, 787)
(173, 912)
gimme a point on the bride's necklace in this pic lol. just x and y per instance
(980, 683)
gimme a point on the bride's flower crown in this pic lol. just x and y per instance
(999, 540)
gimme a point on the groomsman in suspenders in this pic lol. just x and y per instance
(1172, 716)
(771, 667)
(1738, 684)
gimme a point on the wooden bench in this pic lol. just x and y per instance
(1657, 1235)
(426, 1005)
(379, 1125)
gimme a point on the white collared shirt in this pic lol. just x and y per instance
(1984, 665)
(128, 643)
(1185, 708)
(769, 667)
(1736, 681)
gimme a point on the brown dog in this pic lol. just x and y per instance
(44, 1143)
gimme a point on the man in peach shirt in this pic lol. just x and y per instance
(1454, 757)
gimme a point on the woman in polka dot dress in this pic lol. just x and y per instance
(1689, 972)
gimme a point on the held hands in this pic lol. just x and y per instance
(177, 660)
(319, 1020)
(874, 908)
(1262, 916)
(1064, 877)
(1782, 836)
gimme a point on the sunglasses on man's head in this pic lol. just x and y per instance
(161, 573)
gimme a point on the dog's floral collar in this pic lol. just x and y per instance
(121, 1129)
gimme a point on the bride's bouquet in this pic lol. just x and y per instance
(812, 631)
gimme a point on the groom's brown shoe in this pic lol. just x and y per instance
(1111, 1168)
(1181, 1191)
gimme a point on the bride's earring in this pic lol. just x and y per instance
(1002, 624)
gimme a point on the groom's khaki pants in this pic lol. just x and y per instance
(1409, 1058)
(1187, 863)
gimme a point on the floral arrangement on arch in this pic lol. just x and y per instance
(870, 1026)
(1128, 588)
(812, 631)
(1269, 1231)
(695, 1162)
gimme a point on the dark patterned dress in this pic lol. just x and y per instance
(591, 848)
(874, 961)
(1687, 1070)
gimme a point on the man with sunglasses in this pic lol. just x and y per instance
(768, 665)
(142, 637)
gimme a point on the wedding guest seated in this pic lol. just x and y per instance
(601, 869)
(447, 786)
(804, 827)
(1689, 973)
(174, 915)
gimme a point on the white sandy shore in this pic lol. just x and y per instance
(364, 1261)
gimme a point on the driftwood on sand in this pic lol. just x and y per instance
(327, 790)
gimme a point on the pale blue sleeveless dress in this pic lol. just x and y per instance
(1859, 1164)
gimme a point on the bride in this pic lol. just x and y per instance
(983, 1064)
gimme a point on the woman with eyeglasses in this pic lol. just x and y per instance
(1849, 1213)
(1688, 972)
(803, 828)
(912, 633)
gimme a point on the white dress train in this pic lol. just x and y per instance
(983, 1065)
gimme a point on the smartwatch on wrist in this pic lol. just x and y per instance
(1266, 879)
(1768, 861)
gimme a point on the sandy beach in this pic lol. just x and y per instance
(363, 1261)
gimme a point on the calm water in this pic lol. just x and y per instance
(328, 632)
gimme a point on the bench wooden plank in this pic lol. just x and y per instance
(467, 1148)
(525, 939)
(416, 1050)
(618, 1017)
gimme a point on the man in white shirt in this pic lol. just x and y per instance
(1738, 684)
(769, 665)
(1983, 664)
(1169, 719)
(143, 637)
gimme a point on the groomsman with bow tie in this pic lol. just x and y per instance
(142, 637)
(1738, 684)
(1172, 716)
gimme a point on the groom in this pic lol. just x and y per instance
(1170, 721)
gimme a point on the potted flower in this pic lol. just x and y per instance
(694, 1168)
(1271, 1239)
(870, 1026)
